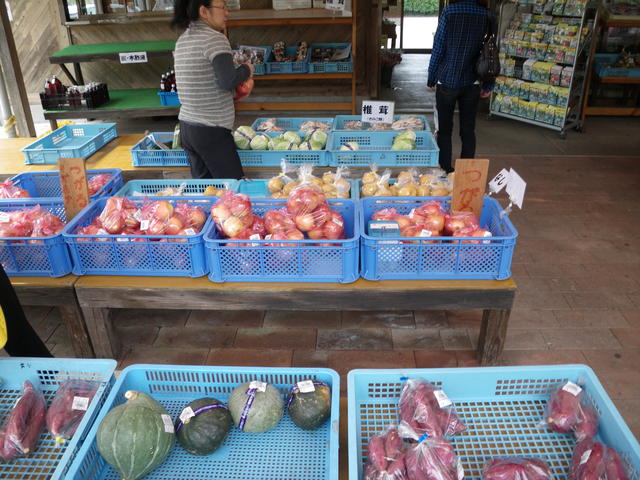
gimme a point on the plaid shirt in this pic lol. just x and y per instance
(457, 44)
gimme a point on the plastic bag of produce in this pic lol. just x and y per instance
(455, 221)
(428, 410)
(269, 125)
(24, 424)
(186, 220)
(117, 215)
(278, 220)
(281, 185)
(378, 188)
(158, 218)
(563, 408)
(232, 213)
(385, 454)
(311, 125)
(515, 468)
(68, 407)
(307, 195)
(406, 184)
(408, 123)
(96, 182)
(587, 424)
(45, 224)
(430, 458)
(9, 190)
(595, 461)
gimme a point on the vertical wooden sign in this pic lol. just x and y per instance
(469, 183)
(73, 180)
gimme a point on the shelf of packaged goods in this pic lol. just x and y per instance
(533, 81)
(566, 64)
(111, 51)
(537, 101)
(526, 120)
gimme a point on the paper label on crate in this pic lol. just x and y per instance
(392, 225)
(516, 187)
(133, 57)
(460, 470)
(144, 225)
(377, 112)
(255, 236)
(585, 457)
(4, 217)
(102, 231)
(412, 213)
(442, 399)
(122, 239)
(388, 242)
(572, 388)
(425, 233)
(499, 181)
(337, 5)
(259, 386)
(138, 215)
(189, 231)
(306, 386)
(80, 403)
(168, 424)
(186, 414)
(338, 222)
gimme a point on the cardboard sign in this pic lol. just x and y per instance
(377, 112)
(469, 185)
(133, 57)
(73, 180)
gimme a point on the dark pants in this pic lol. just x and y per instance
(22, 339)
(212, 151)
(467, 99)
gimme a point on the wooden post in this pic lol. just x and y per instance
(75, 191)
(14, 82)
(469, 184)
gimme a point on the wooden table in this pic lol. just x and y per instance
(58, 293)
(98, 294)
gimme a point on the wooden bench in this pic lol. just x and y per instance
(98, 294)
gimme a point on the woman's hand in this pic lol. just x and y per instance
(251, 68)
(485, 93)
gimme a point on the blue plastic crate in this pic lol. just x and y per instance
(143, 255)
(330, 67)
(304, 262)
(257, 188)
(35, 257)
(143, 156)
(70, 141)
(288, 67)
(47, 184)
(501, 407)
(340, 120)
(51, 460)
(293, 123)
(273, 158)
(169, 99)
(284, 452)
(260, 68)
(190, 187)
(447, 258)
(375, 147)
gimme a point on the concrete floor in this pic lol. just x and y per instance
(577, 266)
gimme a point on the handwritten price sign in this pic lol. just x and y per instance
(73, 180)
(469, 184)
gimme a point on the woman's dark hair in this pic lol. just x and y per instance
(482, 3)
(187, 11)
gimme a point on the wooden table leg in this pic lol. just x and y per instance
(493, 334)
(105, 342)
(74, 322)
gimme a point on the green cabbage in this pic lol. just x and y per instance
(408, 135)
(403, 144)
(350, 146)
(260, 142)
(242, 137)
(306, 145)
(319, 137)
(292, 137)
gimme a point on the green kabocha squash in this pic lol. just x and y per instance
(309, 404)
(256, 407)
(136, 437)
(203, 426)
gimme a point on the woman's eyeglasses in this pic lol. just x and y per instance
(221, 7)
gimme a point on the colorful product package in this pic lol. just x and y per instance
(555, 75)
(527, 67)
(567, 75)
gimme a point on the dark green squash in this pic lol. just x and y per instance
(204, 433)
(310, 410)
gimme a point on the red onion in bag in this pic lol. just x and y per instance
(563, 408)
(516, 469)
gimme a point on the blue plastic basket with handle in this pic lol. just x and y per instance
(70, 141)
(446, 258)
(286, 452)
(146, 154)
(289, 260)
(34, 256)
(51, 460)
(47, 184)
(501, 407)
(187, 187)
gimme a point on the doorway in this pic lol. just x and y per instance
(416, 22)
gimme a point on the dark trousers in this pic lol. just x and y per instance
(22, 339)
(212, 151)
(467, 99)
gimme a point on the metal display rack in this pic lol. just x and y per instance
(587, 20)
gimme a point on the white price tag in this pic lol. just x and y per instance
(442, 399)
(377, 112)
(412, 213)
(425, 233)
(134, 57)
(499, 181)
(516, 187)
(572, 388)
(102, 231)
(585, 457)
(122, 239)
(334, 5)
(255, 236)
(338, 222)
(186, 414)
(144, 225)
(259, 386)
(460, 470)
(168, 424)
(138, 215)
(80, 403)
(189, 231)
(4, 217)
(306, 386)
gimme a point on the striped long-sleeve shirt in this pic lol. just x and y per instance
(456, 47)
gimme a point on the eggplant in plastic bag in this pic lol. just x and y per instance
(514, 468)
(385, 454)
(68, 408)
(427, 409)
(595, 461)
(24, 424)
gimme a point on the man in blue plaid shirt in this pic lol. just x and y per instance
(452, 73)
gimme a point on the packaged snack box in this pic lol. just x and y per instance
(527, 67)
(567, 75)
(555, 75)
